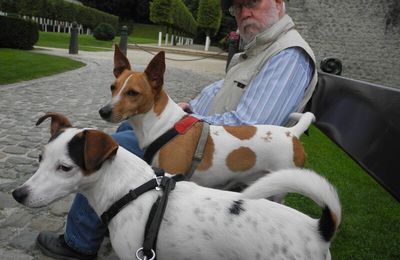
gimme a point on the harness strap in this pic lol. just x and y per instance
(198, 154)
(180, 127)
(157, 144)
(130, 196)
(157, 211)
(155, 218)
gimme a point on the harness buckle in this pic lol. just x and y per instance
(158, 180)
(140, 254)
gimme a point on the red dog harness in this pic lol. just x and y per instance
(185, 123)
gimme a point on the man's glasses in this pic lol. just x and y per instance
(236, 9)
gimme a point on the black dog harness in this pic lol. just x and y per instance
(167, 184)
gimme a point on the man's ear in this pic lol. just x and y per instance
(121, 63)
(58, 122)
(98, 148)
(280, 7)
(155, 71)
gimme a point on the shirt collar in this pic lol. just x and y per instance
(266, 38)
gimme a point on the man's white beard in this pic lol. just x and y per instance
(249, 36)
(270, 19)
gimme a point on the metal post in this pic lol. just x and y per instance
(123, 42)
(73, 42)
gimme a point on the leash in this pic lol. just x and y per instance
(196, 59)
(180, 128)
(160, 181)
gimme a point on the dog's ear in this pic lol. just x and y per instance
(155, 70)
(98, 148)
(58, 122)
(121, 63)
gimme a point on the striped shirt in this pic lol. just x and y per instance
(271, 96)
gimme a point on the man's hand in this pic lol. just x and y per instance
(185, 107)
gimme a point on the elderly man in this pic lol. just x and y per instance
(274, 76)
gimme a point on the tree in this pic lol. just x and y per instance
(161, 12)
(137, 10)
(209, 16)
(192, 5)
(183, 20)
(228, 24)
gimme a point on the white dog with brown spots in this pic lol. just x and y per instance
(199, 222)
(232, 154)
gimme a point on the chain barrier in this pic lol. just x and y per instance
(203, 58)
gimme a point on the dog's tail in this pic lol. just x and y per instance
(303, 122)
(304, 182)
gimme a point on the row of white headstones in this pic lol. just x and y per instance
(49, 25)
(171, 40)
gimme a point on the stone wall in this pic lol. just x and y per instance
(363, 34)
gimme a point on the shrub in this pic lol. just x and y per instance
(17, 33)
(104, 32)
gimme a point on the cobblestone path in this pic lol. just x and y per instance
(78, 94)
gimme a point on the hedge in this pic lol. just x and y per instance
(183, 18)
(209, 16)
(17, 33)
(173, 13)
(59, 10)
(161, 12)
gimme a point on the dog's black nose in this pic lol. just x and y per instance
(105, 112)
(20, 194)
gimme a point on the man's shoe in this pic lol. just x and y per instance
(54, 245)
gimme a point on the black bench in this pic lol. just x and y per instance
(364, 120)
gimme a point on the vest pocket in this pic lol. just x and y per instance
(239, 84)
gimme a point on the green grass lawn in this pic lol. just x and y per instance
(18, 65)
(61, 40)
(146, 31)
(370, 227)
(141, 34)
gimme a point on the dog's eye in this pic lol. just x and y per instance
(112, 87)
(64, 168)
(40, 158)
(132, 93)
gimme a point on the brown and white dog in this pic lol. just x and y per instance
(232, 155)
(199, 222)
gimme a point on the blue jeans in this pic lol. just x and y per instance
(84, 230)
